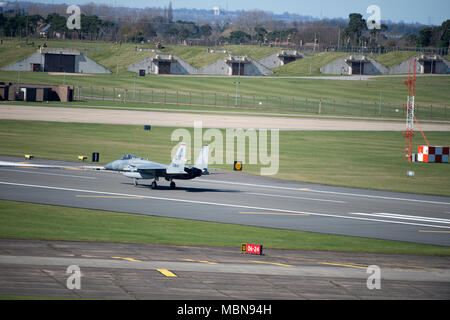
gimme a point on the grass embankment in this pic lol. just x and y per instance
(33, 221)
(429, 90)
(309, 65)
(372, 160)
(393, 58)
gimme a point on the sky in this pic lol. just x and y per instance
(425, 12)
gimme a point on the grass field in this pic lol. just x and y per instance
(429, 89)
(33, 221)
(432, 95)
(373, 160)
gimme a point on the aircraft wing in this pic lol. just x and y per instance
(146, 167)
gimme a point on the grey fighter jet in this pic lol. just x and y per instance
(137, 168)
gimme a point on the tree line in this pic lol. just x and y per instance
(152, 25)
(22, 25)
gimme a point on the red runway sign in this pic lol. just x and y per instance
(252, 248)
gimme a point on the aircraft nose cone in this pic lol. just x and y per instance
(109, 166)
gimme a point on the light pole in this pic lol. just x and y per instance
(18, 74)
(237, 85)
(117, 66)
(134, 94)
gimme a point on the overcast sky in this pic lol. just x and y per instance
(426, 12)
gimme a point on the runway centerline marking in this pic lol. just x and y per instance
(275, 213)
(222, 204)
(403, 217)
(167, 273)
(294, 197)
(322, 191)
(107, 197)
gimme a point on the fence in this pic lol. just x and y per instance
(260, 103)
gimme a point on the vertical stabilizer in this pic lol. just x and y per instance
(202, 160)
(177, 165)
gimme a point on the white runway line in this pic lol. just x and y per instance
(323, 191)
(223, 204)
(50, 174)
(403, 217)
(294, 197)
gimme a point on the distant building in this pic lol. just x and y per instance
(57, 60)
(281, 58)
(236, 66)
(426, 64)
(354, 65)
(365, 65)
(35, 92)
(44, 31)
(162, 64)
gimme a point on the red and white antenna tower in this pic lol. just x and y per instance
(409, 131)
(410, 117)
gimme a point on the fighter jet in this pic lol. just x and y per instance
(137, 168)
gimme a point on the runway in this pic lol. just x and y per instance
(238, 198)
(146, 271)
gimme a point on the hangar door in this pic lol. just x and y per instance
(237, 69)
(164, 67)
(59, 62)
(289, 59)
(357, 68)
(429, 67)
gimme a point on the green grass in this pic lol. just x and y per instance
(254, 52)
(34, 221)
(195, 56)
(107, 54)
(429, 90)
(312, 62)
(373, 160)
(393, 58)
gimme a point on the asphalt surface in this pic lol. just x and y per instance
(138, 271)
(142, 271)
(238, 198)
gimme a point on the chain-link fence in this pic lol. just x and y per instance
(260, 103)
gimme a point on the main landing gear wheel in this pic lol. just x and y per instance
(172, 185)
(154, 185)
(135, 182)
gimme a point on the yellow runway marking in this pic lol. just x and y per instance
(127, 259)
(435, 231)
(108, 197)
(167, 273)
(274, 263)
(202, 261)
(276, 213)
(304, 189)
(343, 265)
